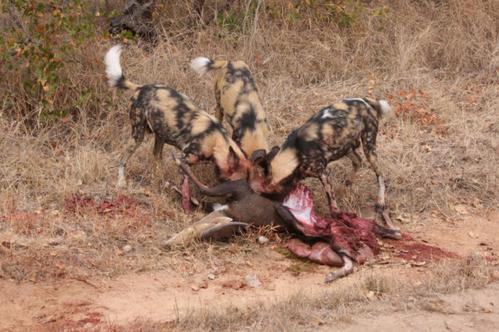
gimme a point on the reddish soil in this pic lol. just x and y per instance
(415, 251)
(121, 204)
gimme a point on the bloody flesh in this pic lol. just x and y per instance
(346, 234)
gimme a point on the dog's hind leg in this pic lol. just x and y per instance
(328, 187)
(356, 163)
(368, 144)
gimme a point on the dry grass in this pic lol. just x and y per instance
(373, 293)
(437, 62)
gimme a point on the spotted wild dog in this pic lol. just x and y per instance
(174, 119)
(334, 132)
(237, 98)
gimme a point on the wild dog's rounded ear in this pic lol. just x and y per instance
(273, 152)
(258, 156)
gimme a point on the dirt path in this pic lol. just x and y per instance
(166, 295)
(472, 310)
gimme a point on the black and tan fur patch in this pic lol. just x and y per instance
(330, 134)
(175, 120)
(238, 100)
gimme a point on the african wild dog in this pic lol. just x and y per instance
(335, 131)
(174, 119)
(237, 98)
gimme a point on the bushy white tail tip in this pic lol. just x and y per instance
(386, 109)
(113, 66)
(201, 65)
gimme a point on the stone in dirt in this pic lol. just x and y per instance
(263, 240)
(252, 281)
(127, 248)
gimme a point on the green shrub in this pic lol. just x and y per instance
(39, 38)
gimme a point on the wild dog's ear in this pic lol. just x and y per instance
(273, 153)
(258, 156)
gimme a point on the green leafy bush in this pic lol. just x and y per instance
(39, 38)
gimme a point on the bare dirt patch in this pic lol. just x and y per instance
(471, 310)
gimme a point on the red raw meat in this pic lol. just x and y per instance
(347, 234)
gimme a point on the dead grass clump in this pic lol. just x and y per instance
(449, 277)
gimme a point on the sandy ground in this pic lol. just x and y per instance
(163, 296)
(472, 310)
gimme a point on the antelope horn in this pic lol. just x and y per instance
(223, 231)
(194, 231)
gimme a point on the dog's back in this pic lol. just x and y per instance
(328, 135)
(237, 99)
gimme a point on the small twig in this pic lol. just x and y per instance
(86, 282)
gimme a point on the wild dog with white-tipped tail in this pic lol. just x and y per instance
(334, 132)
(174, 119)
(237, 98)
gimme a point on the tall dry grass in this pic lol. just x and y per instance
(436, 61)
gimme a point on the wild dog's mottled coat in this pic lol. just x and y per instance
(335, 131)
(175, 120)
(237, 98)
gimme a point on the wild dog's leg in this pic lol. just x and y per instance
(219, 112)
(188, 158)
(137, 120)
(158, 148)
(369, 146)
(356, 163)
(129, 151)
(387, 232)
(158, 154)
(345, 270)
(328, 187)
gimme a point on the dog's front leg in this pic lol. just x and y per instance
(328, 188)
(129, 151)
(219, 111)
(158, 148)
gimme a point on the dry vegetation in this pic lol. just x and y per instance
(437, 62)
